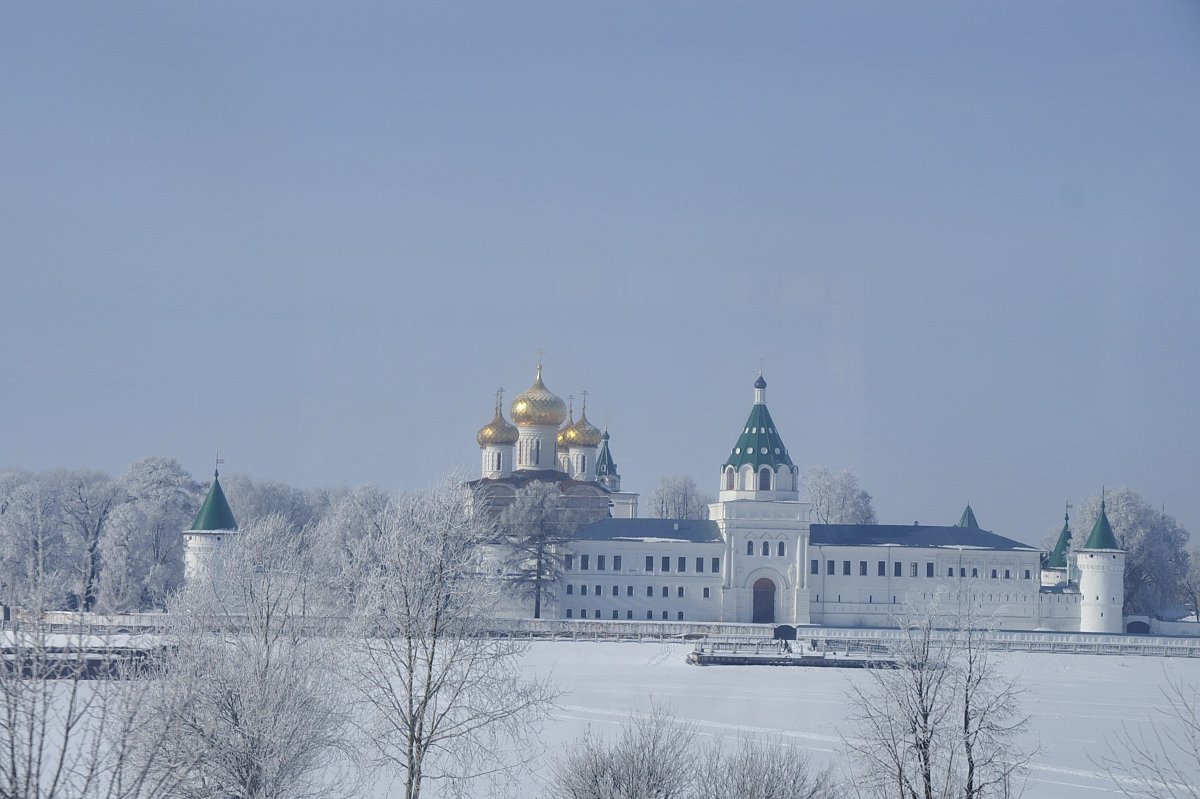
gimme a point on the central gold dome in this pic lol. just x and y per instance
(538, 405)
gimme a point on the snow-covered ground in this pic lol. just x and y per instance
(1077, 702)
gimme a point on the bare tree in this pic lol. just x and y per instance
(655, 757)
(836, 497)
(249, 705)
(535, 528)
(1162, 757)
(761, 768)
(442, 700)
(939, 720)
(652, 758)
(70, 703)
(677, 497)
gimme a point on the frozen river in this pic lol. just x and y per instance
(1076, 702)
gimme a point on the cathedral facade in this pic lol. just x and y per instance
(758, 558)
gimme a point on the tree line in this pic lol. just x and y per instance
(359, 644)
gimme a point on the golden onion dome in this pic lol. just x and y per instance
(497, 431)
(538, 405)
(586, 433)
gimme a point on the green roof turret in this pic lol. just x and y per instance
(759, 444)
(968, 519)
(215, 513)
(1058, 556)
(1102, 534)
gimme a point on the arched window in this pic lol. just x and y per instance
(783, 479)
(729, 478)
(747, 480)
(766, 549)
(764, 479)
(537, 452)
(583, 463)
(782, 549)
(749, 547)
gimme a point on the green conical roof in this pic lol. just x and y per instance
(968, 519)
(1058, 557)
(605, 465)
(759, 444)
(215, 513)
(1102, 535)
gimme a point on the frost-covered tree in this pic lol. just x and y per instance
(257, 499)
(837, 498)
(655, 756)
(677, 497)
(142, 549)
(86, 500)
(651, 758)
(1154, 543)
(67, 720)
(941, 721)
(35, 563)
(1190, 588)
(441, 700)
(337, 540)
(250, 705)
(534, 529)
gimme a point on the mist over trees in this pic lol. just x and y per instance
(678, 497)
(836, 497)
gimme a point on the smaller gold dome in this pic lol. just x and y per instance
(586, 434)
(538, 405)
(497, 431)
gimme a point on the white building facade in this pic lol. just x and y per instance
(758, 558)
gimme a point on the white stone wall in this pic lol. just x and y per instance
(640, 590)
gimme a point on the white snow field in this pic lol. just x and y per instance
(1076, 702)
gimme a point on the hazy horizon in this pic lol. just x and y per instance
(318, 239)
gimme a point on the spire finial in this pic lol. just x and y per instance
(1067, 512)
(760, 365)
(583, 411)
(219, 461)
(571, 407)
(499, 399)
(1101, 499)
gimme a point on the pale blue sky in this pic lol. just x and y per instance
(964, 236)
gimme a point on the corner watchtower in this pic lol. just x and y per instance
(210, 536)
(1101, 564)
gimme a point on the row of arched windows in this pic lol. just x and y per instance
(529, 452)
(766, 479)
(780, 549)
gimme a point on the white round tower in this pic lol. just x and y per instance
(496, 440)
(211, 535)
(1101, 564)
(537, 413)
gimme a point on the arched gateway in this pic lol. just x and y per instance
(764, 601)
